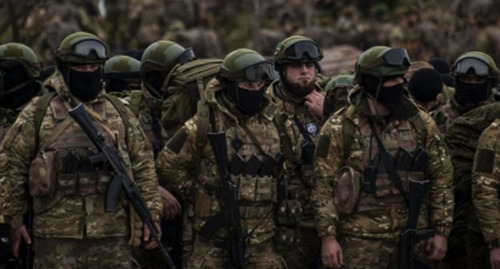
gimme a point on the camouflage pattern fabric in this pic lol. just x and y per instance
(382, 215)
(71, 205)
(299, 176)
(177, 170)
(86, 253)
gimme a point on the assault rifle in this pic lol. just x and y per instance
(410, 236)
(120, 180)
(229, 215)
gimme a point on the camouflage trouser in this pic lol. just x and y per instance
(261, 256)
(83, 253)
(368, 253)
(305, 251)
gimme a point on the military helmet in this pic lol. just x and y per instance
(82, 48)
(296, 49)
(476, 63)
(17, 53)
(122, 66)
(246, 65)
(382, 61)
(339, 81)
(162, 56)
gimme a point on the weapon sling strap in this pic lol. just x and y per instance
(302, 130)
(389, 166)
(253, 138)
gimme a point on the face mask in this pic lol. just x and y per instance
(116, 85)
(391, 95)
(85, 85)
(471, 93)
(247, 102)
(154, 82)
(17, 88)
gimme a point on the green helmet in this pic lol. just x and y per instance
(20, 54)
(475, 63)
(382, 61)
(122, 66)
(246, 65)
(82, 48)
(296, 49)
(162, 56)
(339, 81)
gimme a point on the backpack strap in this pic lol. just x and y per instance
(41, 108)
(135, 101)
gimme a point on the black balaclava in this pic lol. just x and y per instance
(466, 93)
(154, 82)
(247, 102)
(85, 85)
(17, 88)
(425, 85)
(386, 95)
(116, 85)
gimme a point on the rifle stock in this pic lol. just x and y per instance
(121, 180)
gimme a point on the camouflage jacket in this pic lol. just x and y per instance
(486, 183)
(68, 201)
(147, 109)
(290, 113)
(7, 118)
(342, 206)
(193, 174)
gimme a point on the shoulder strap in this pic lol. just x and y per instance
(40, 110)
(135, 101)
(122, 110)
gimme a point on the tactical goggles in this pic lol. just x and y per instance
(261, 71)
(299, 49)
(185, 56)
(397, 57)
(85, 47)
(480, 68)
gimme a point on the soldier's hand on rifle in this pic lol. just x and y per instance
(171, 207)
(16, 235)
(331, 252)
(437, 247)
(495, 258)
(149, 243)
(314, 101)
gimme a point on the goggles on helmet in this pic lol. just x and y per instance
(186, 56)
(397, 57)
(85, 47)
(261, 71)
(480, 68)
(299, 49)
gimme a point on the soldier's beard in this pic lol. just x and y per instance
(302, 89)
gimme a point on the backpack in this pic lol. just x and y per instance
(183, 88)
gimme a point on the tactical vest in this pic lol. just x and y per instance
(257, 189)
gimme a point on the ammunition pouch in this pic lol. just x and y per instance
(256, 188)
(346, 190)
(289, 213)
(42, 174)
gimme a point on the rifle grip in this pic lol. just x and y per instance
(112, 195)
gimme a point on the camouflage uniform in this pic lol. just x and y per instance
(367, 222)
(336, 94)
(68, 192)
(485, 187)
(190, 169)
(297, 241)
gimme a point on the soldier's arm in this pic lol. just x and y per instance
(440, 174)
(486, 183)
(176, 163)
(327, 161)
(142, 161)
(17, 151)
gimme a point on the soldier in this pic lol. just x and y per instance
(474, 85)
(48, 149)
(360, 202)
(425, 87)
(336, 94)
(19, 72)
(299, 102)
(122, 75)
(485, 190)
(157, 60)
(237, 107)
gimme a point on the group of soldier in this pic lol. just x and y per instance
(265, 164)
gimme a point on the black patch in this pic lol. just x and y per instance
(177, 141)
(322, 147)
(485, 161)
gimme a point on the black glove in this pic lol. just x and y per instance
(5, 251)
(307, 152)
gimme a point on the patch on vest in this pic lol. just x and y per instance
(322, 147)
(312, 129)
(485, 161)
